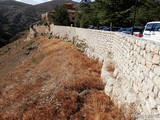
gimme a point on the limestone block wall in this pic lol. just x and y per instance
(67, 34)
(134, 82)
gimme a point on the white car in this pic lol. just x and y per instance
(152, 31)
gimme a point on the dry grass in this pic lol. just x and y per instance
(110, 67)
(63, 85)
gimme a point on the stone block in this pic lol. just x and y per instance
(143, 52)
(155, 49)
(150, 84)
(159, 94)
(108, 90)
(154, 113)
(145, 85)
(132, 41)
(117, 91)
(138, 50)
(145, 70)
(151, 94)
(135, 54)
(115, 73)
(131, 47)
(157, 101)
(149, 64)
(131, 98)
(156, 80)
(156, 70)
(149, 56)
(151, 75)
(143, 61)
(142, 76)
(110, 81)
(143, 45)
(135, 47)
(139, 42)
(132, 52)
(131, 65)
(138, 72)
(146, 108)
(140, 85)
(156, 58)
(152, 102)
(145, 92)
(155, 90)
(158, 108)
(139, 57)
(139, 109)
(136, 88)
(148, 47)
(141, 97)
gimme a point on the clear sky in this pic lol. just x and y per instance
(38, 1)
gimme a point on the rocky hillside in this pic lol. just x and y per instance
(16, 17)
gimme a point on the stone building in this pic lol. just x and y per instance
(72, 12)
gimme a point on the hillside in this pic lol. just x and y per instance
(48, 79)
(16, 17)
(48, 6)
(13, 4)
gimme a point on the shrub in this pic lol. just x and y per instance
(110, 67)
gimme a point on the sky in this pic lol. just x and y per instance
(33, 2)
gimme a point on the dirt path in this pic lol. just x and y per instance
(51, 80)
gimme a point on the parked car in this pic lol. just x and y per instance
(116, 28)
(152, 31)
(113, 29)
(122, 29)
(90, 27)
(102, 27)
(137, 31)
(106, 29)
(138, 34)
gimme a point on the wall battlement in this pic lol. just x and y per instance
(135, 79)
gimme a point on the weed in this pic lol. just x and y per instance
(34, 60)
(110, 67)
(30, 43)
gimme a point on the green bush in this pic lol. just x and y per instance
(45, 23)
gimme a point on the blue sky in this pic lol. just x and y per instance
(38, 1)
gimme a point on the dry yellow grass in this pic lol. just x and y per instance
(59, 84)
(110, 67)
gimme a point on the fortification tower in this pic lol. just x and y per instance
(69, 4)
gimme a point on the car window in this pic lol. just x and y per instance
(157, 27)
(129, 29)
(149, 27)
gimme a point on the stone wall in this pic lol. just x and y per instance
(131, 66)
